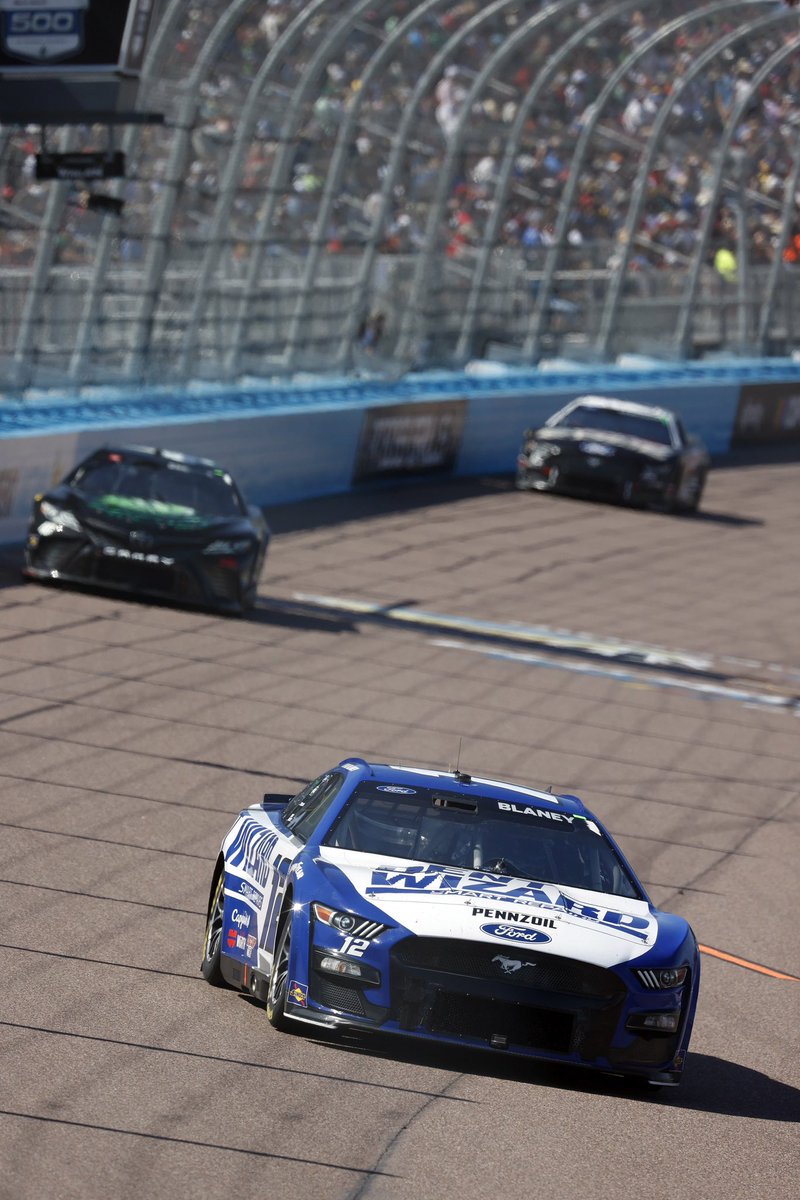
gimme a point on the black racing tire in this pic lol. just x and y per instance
(687, 507)
(279, 978)
(249, 596)
(698, 494)
(210, 967)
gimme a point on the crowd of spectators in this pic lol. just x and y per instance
(369, 202)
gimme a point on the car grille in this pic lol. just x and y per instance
(152, 577)
(344, 997)
(467, 989)
(597, 482)
(482, 1018)
(477, 960)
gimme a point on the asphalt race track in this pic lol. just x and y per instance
(650, 663)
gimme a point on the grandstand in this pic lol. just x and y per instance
(349, 185)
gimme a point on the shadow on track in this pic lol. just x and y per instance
(712, 1085)
(377, 500)
(732, 520)
(290, 614)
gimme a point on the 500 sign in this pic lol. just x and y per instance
(38, 32)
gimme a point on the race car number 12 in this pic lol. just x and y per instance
(354, 946)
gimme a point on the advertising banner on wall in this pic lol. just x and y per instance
(768, 414)
(410, 439)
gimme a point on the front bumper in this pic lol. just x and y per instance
(165, 572)
(454, 992)
(603, 479)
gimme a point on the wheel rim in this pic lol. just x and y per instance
(214, 926)
(279, 980)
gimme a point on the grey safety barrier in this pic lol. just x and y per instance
(285, 444)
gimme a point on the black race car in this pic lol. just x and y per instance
(150, 521)
(615, 450)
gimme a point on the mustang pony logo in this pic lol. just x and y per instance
(510, 966)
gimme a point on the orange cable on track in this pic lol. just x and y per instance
(743, 962)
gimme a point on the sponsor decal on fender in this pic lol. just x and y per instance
(298, 993)
(232, 938)
(513, 933)
(240, 918)
(252, 895)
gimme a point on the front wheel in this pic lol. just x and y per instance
(212, 944)
(279, 979)
(690, 493)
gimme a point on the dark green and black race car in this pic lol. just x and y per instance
(149, 521)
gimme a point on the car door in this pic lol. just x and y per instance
(258, 852)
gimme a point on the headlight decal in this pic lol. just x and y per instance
(223, 546)
(348, 923)
(661, 978)
(57, 518)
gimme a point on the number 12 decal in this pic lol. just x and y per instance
(354, 946)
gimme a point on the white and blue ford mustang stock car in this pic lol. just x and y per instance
(448, 907)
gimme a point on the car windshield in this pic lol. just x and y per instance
(612, 420)
(517, 837)
(169, 487)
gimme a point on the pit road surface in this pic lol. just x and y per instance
(131, 734)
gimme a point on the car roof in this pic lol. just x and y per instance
(463, 783)
(617, 405)
(156, 454)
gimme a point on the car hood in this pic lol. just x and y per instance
(510, 913)
(122, 514)
(584, 438)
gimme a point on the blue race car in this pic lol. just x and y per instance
(463, 910)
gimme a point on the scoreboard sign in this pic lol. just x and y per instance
(73, 36)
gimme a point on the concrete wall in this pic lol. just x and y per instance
(283, 452)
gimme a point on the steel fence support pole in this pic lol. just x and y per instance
(532, 344)
(542, 80)
(686, 313)
(225, 196)
(427, 262)
(130, 140)
(336, 169)
(639, 189)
